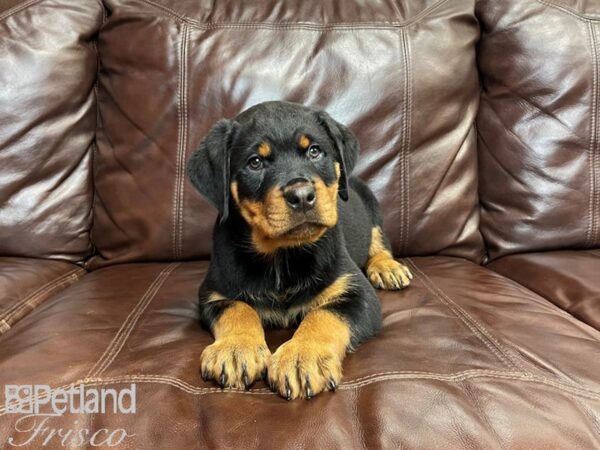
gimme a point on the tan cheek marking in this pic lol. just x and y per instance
(304, 142)
(234, 192)
(338, 171)
(327, 202)
(264, 149)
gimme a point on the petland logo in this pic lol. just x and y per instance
(40, 403)
(34, 399)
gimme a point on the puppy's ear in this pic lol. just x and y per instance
(208, 168)
(346, 146)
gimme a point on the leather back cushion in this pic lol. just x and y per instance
(403, 77)
(48, 114)
(539, 124)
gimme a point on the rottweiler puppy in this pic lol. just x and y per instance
(286, 252)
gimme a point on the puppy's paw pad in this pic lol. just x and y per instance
(234, 361)
(388, 274)
(302, 370)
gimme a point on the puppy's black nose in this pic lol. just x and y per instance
(300, 195)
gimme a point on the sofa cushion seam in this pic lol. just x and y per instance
(41, 298)
(345, 386)
(406, 142)
(294, 25)
(571, 12)
(177, 217)
(17, 8)
(476, 328)
(593, 147)
(118, 341)
(40, 292)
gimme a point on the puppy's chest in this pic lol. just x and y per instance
(282, 307)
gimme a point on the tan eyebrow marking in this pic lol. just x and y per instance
(304, 142)
(264, 149)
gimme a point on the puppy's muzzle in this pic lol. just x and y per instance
(300, 195)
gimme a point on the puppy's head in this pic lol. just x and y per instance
(283, 166)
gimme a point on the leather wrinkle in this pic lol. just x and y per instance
(499, 163)
(539, 108)
(438, 187)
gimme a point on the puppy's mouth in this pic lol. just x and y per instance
(304, 230)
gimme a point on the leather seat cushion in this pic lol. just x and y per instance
(569, 279)
(466, 357)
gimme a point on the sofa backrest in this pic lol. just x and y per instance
(47, 125)
(539, 124)
(402, 75)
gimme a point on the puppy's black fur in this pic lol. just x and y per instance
(282, 255)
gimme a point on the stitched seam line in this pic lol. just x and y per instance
(496, 342)
(126, 328)
(184, 70)
(291, 25)
(594, 182)
(181, 113)
(400, 156)
(478, 329)
(15, 9)
(38, 300)
(406, 141)
(190, 389)
(570, 11)
(182, 117)
(41, 291)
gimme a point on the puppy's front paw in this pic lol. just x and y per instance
(234, 361)
(301, 369)
(387, 273)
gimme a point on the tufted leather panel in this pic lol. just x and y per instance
(539, 125)
(410, 97)
(47, 126)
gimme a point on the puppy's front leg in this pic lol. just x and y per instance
(311, 361)
(340, 317)
(239, 354)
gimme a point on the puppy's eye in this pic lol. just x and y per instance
(314, 152)
(255, 163)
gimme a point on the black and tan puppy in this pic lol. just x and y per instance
(286, 252)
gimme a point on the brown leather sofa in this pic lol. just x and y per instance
(480, 131)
